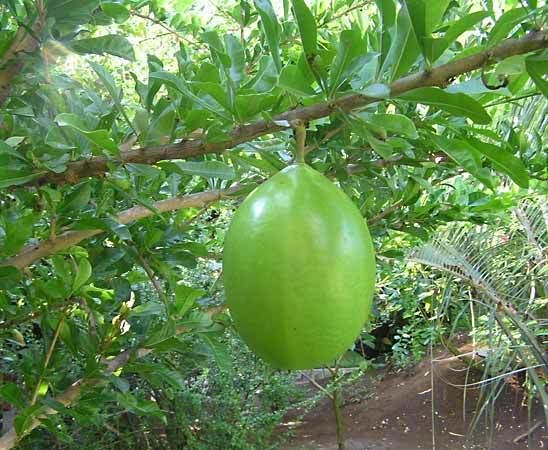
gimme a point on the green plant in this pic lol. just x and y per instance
(504, 267)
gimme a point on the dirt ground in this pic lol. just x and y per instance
(395, 412)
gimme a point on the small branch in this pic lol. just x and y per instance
(169, 30)
(319, 386)
(300, 138)
(528, 432)
(347, 11)
(25, 42)
(48, 358)
(373, 220)
(337, 408)
(329, 135)
(438, 76)
(152, 277)
(42, 249)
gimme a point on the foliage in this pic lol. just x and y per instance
(505, 270)
(109, 108)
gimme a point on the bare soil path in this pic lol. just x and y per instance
(396, 413)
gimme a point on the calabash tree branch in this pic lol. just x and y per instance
(439, 76)
(32, 253)
(71, 394)
(25, 41)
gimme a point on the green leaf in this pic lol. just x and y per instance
(113, 44)
(404, 50)
(350, 47)
(271, 29)
(9, 276)
(365, 129)
(464, 155)
(10, 393)
(293, 80)
(207, 169)
(159, 334)
(14, 178)
(537, 68)
(101, 138)
(148, 309)
(219, 351)
(138, 406)
(179, 84)
(115, 10)
(237, 58)
(387, 9)
(185, 298)
(393, 123)
(504, 24)
(504, 161)
(77, 199)
(108, 81)
(458, 104)
(24, 419)
(307, 27)
(438, 46)
(425, 15)
(161, 129)
(250, 105)
(417, 15)
(82, 275)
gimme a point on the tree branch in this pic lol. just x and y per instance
(25, 41)
(440, 76)
(32, 253)
(70, 395)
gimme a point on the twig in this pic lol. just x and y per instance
(329, 135)
(528, 432)
(319, 386)
(346, 12)
(151, 276)
(48, 358)
(169, 30)
(300, 138)
(373, 220)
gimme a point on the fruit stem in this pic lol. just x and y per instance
(300, 137)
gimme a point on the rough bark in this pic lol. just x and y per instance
(25, 42)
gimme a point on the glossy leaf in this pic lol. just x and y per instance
(208, 169)
(307, 26)
(293, 80)
(537, 67)
(349, 48)
(404, 48)
(503, 161)
(464, 155)
(113, 44)
(101, 138)
(387, 10)
(458, 104)
(504, 24)
(393, 123)
(271, 29)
